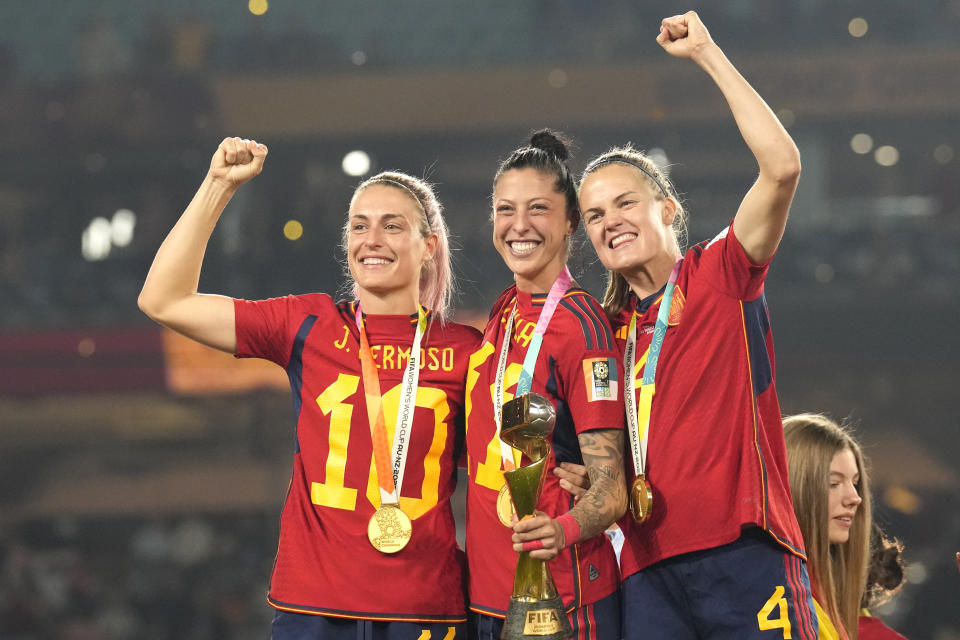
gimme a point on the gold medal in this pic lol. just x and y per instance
(389, 529)
(641, 498)
(505, 510)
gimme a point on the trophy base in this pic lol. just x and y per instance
(540, 619)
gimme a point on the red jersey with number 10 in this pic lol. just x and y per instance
(715, 451)
(577, 370)
(325, 563)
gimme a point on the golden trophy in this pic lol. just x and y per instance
(535, 610)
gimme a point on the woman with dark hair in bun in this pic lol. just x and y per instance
(712, 547)
(885, 577)
(548, 336)
(367, 538)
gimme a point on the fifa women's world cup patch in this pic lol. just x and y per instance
(600, 376)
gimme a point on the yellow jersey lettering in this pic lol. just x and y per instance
(782, 621)
(432, 355)
(387, 362)
(341, 343)
(403, 357)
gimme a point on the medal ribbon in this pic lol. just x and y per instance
(390, 480)
(641, 414)
(559, 287)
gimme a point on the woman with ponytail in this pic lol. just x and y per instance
(712, 548)
(548, 336)
(367, 538)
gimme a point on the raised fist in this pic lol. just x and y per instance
(237, 160)
(682, 36)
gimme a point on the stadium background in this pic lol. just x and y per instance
(141, 477)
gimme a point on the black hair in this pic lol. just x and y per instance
(547, 151)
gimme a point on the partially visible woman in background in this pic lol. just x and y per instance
(884, 580)
(831, 497)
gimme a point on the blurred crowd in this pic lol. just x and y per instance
(189, 577)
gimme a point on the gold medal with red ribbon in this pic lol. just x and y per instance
(390, 529)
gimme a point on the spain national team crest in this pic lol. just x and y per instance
(600, 376)
(676, 307)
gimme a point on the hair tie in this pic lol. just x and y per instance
(400, 185)
(633, 163)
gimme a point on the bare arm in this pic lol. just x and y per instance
(606, 499)
(169, 295)
(762, 216)
(597, 508)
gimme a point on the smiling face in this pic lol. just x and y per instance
(844, 497)
(386, 248)
(628, 221)
(531, 227)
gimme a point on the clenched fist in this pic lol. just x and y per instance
(684, 36)
(237, 160)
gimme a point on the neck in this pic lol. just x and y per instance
(392, 303)
(542, 282)
(650, 277)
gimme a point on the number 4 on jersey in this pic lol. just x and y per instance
(780, 622)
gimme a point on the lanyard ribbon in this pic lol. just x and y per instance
(390, 480)
(560, 286)
(637, 414)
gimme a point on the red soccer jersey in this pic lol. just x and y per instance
(325, 564)
(870, 628)
(577, 338)
(715, 451)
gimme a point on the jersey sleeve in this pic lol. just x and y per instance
(726, 266)
(592, 366)
(267, 328)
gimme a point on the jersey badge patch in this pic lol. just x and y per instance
(600, 377)
(676, 307)
(592, 573)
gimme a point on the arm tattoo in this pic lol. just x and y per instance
(606, 499)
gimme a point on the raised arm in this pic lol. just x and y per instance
(169, 295)
(762, 216)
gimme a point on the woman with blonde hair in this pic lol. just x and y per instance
(831, 497)
(377, 384)
(712, 548)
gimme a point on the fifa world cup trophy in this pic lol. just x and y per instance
(535, 610)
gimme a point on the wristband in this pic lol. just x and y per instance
(570, 527)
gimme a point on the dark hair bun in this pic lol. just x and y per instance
(550, 142)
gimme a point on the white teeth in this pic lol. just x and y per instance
(375, 261)
(523, 247)
(619, 240)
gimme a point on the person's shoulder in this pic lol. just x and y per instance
(457, 332)
(585, 312)
(503, 299)
(696, 251)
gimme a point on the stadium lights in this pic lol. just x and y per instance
(886, 156)
(293, 230)
(943, 153)
(858, 27)
(356, 163)
(861, 143)
(101, 235)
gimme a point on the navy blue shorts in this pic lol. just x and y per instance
(597, 621)
(304, 626)
(750, 588)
